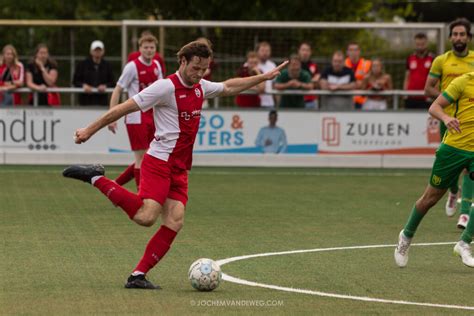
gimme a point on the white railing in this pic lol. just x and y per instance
(395, 94)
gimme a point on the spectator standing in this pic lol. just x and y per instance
(376, 80)
(335, 78)
(210, 70)
(264, 51)
(250, 68)
(11, 76)
(271, 138)
(293, 78)
(305, 52)
(94, 72)
(41, 73)
(418, 67)
(360, 67)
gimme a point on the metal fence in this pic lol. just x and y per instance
(231, 41)
(394, 94)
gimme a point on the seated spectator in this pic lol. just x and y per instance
(250, 68)
(94, 72)
(304, 52)
(41, 73)
(293, 78)
(376, 80)
(337, 77)
(271, 138)
(157, 57)
(11, 76)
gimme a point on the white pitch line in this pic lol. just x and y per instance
(232, 279)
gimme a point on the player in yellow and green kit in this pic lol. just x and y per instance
(445, 68)
(455, 108)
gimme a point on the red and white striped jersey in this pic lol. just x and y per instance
(177, 111)
(136, 76)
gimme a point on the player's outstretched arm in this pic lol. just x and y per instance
(436, 110)
(83, 134)
(236, 85)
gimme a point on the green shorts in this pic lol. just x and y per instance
(449, 163)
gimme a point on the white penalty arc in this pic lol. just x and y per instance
(232, 279)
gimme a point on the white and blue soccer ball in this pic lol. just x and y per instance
(205, 274)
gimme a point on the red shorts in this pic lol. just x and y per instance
(141, 135)
(159, 181)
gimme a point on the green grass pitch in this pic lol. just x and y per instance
(65, 250)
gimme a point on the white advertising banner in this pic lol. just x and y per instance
(52, 131)
(378, 133)
(233, 132)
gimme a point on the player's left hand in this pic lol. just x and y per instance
(453, 125)
(275, 72)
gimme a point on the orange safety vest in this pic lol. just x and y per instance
(362, 70)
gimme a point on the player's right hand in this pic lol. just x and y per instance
(81, 135)
(112, 127)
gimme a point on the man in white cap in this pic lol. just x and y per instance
(94, 75)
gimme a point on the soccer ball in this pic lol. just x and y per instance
(205, 274)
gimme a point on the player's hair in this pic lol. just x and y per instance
(263, 43)
(195, 48)
(307, 43)
(147, 38)
(51, 61)
(204, 40)
(272, 112)
(460, 22)
(252, 54)
(420, 36)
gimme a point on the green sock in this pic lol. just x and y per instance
(454, 188)
(413, 221)
(469, 230)
(466, 199)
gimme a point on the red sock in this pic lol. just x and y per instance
(126, 175)
(156, 248)
(118, 195)
(136, 172)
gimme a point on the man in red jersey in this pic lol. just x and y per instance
(177, 103)
(136, 76)
(418, 67)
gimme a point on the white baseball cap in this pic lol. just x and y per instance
(97, 44)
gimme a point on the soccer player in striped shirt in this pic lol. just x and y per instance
(177, 103)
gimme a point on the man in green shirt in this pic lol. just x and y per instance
(293, 78)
